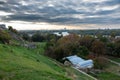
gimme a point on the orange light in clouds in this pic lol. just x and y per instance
(21, 25)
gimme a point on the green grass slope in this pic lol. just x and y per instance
(19, 63)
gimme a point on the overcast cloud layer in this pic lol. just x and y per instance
(61, 11)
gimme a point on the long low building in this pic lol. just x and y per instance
(61, 34)
(79, 62)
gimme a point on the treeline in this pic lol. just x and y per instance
(74, 44)
(80, 32)
(39, 37)
(86, 47)
(100, 31)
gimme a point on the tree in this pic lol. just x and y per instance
(10, 28)
(114, 48)
(4, 37)
(117, 48)
(113, 34)
(69, 44)
(37, 37)
(83, 51)
(25, 36)
(103, 39)
(98, 48)
(65, 46)
(99, 35)
(86, 41)
(100, 63)
(50, 37)
(59, 53)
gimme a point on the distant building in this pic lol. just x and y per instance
(65, 33)
(78, 62)
(61, 34)
(57, 33)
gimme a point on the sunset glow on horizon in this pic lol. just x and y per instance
(19, 25)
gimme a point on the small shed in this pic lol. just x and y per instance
(78, 62)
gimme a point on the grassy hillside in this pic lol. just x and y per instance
(19, 63)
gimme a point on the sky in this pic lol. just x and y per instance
(60, 14)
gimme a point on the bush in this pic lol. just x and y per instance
(25, 36)
(37, 37)
(100, 63)
(10, 28)
(4, 37)
(66, 46)
(117, 49)
(83, 52)
(86, 41)
(98, 48)
(113, 49)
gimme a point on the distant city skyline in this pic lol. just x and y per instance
(47, 26)
(58, 14)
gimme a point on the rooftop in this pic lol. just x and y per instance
(79, 62)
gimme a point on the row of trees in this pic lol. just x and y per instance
(58, 47)
(39, 37)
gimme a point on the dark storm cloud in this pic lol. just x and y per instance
(62, 11)
(2, 2)
(112, 2)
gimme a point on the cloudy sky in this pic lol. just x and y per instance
(57, 14)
